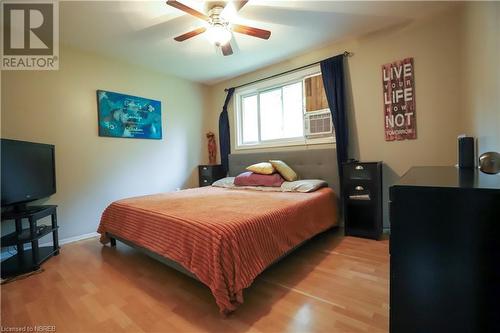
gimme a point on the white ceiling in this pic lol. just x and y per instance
(141, 32)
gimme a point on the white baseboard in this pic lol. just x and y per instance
(73, 239)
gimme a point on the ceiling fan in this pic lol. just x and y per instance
(219, 29)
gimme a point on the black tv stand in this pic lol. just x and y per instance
(23, 209)
(29, 260)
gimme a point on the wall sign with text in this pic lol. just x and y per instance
(400, 118)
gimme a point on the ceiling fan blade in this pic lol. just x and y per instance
(190, 34)
(186, 9)
(227, 49)
(238, 4)
(255, 32)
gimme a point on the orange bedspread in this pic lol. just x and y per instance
(223, 236)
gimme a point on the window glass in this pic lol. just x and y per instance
(271, 115)
(250, 122)
(295, 112)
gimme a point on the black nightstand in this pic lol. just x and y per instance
(362, 188)
(210, 173)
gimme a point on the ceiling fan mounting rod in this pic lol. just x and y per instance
(215, 18)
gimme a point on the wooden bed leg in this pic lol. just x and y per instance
(113, 241)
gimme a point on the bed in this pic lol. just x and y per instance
(226, 237)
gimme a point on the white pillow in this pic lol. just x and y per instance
(304, 185)
(227, 182)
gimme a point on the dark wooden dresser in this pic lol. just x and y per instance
(210, 173)
(362, 191)
(445, 251)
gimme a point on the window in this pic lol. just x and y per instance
(289, 110)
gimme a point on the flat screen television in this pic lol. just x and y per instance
(28, 171)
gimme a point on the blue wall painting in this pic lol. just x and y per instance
(126, 116)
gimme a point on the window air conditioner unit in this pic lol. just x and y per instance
(318, 123)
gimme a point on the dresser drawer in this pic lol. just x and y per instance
(206, 170)
(361, 191)
(361, 171)
(206, 181)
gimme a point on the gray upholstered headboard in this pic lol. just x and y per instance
(309, 164)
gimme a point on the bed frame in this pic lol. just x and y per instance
(309, 164)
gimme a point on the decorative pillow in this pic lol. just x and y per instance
(228, 183)
(254, 179)
(305, 185)
(284, 170)
(264, 168)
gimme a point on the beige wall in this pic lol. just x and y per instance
(59, 107)
(434, 43)
(457, 90)
(481, 28)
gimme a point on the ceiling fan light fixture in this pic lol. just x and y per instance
(218, 34)
(218, 24)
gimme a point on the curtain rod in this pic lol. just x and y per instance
(346, 54)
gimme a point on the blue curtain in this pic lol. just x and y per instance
(224, 135)
(332, 70)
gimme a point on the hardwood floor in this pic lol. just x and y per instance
(331, 284)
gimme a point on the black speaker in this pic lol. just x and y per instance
(466, 152)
